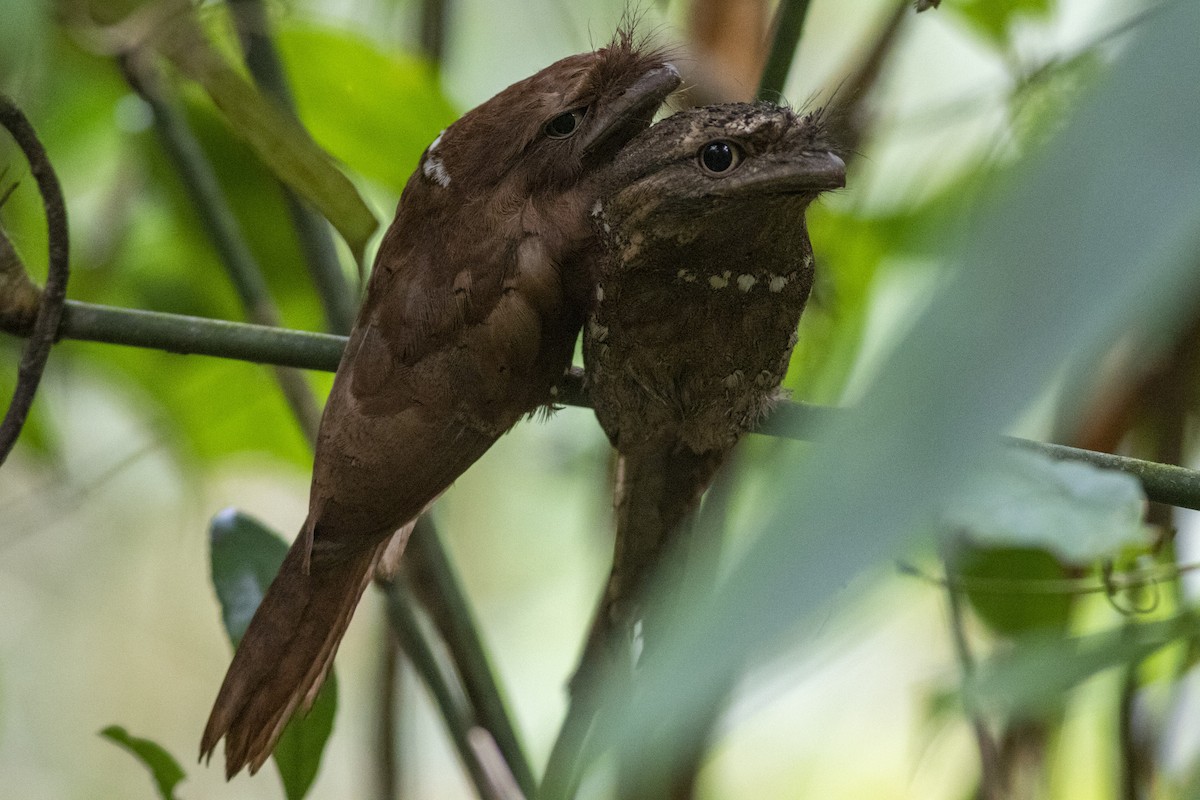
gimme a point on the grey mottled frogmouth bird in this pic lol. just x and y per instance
(706, 271)
(478, 292)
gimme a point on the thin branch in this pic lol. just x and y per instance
(50, 309)
(338, 298)
(447, 696)
(433, 31)
(176, 333)
(850, 117)
(217, 218)
(387, 734)
(1129, 753)
(991, 778)
(788, 27)
(433, 579)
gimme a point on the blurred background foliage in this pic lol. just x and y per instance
(108, 613)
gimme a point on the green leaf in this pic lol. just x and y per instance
(1014, 610)
(1093, 236)
(993, 20)
(302, 743)
(245, 557)
(1077, 511)
(162, 765)
(276, 138)
(354, 97)
(1041, 670)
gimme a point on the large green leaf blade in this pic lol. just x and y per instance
(1094, 234)
(1079, 512)
(277, 139)
(348, 94)
(1039, 672)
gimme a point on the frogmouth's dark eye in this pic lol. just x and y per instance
(720, 157)
(565, 124)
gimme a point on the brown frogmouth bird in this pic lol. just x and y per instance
(706, 271)
(478, 292)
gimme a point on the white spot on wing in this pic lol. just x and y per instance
(436, 142)
(746, 282)
(686, 275)
(599, 294)
(597, 209)
(718, 282)
(435, 170)
(777, 283)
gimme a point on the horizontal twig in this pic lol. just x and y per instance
(1163, 483)
(177, 333)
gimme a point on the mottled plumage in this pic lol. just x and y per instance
(471, 313)
(706, 271)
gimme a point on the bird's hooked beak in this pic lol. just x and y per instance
(807, 173)
(810, 173)
(825, 171)
(633, 111)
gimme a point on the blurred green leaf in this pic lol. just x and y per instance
(994, 20)
(245, 557)
(275, 137)
(162, 765)
(1037, 674)
(37, 434)
(156, 256)
(375, 111)
(22, 37)
(1077, 511)
(850, 246)
(1043, 101)
(302, 743)
(1014, 611)
(1095, 234)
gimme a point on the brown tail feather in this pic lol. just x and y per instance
(658, 485)
(285, 654)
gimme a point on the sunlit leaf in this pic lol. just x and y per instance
(164, 769)
(275, 137)
(995, 20)
(245, 557)
(375, 111)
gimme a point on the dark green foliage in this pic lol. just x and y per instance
(164, 769)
